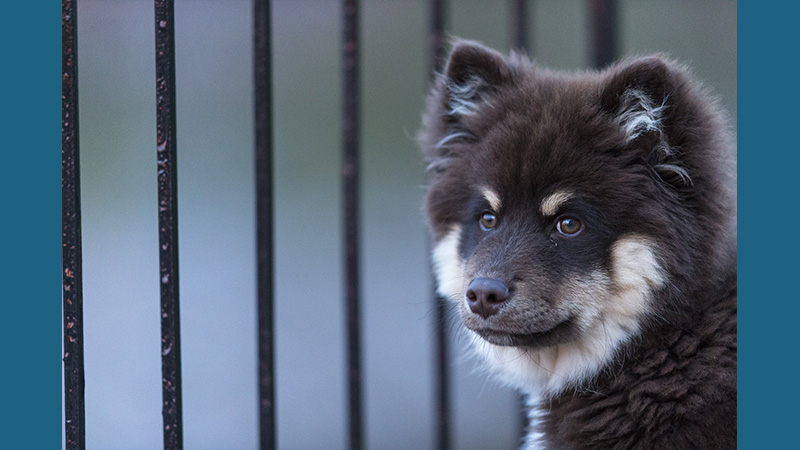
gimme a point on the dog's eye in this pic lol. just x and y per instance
(488, 221)
(569, 226)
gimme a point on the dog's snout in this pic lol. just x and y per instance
(485, 295)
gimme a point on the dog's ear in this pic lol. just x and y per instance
(643, 96)
(472, 72)
(472, 75)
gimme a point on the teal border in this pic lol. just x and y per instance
(31, 221)
(768, 195)
(768, 191)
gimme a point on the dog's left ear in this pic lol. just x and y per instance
(643, 96)
(472, 73)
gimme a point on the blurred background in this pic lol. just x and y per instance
(217, 216)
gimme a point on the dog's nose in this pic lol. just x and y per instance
(485, 295)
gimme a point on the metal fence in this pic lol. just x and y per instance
(604, 50)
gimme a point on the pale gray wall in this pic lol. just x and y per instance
(216, 217)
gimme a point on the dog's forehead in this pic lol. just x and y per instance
(529, 165)
(537, 149)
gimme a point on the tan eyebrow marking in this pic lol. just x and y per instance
(551, 204)
(492, 197)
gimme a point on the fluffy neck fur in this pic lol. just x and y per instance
(672, 387)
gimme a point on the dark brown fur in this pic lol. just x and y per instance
(674, 385)
(675, 390)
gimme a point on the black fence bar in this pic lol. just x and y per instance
(350, 156)
(168, 224)
(262, 59)
(436, 36)
(72, 278)
(520, 41)
(519, 25)
(436, 40)
(604, 32)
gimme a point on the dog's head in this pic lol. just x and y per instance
(568, 210)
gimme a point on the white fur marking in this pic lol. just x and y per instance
(450, 137)
(447, 264)
(635, 265)
(550, 205)
(437, 164)
(491, 197)
(637, 114)
(464, 96)
(680, 171)
(609, 308)
(533, 436)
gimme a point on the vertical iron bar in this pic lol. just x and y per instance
(264, 227)
(168, 223)
(520, 42)
(523, 416)
(436, 35)
(72, 278)
(604, 32)
(519, 25)
(441, 350)
(350, 129)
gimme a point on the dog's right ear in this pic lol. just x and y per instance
(472, 72)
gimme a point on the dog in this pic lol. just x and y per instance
(585, 226)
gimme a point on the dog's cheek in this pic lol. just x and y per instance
(585, 296)
(447, 264)
(636, 275)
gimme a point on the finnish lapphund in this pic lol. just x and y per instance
(585, 226)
